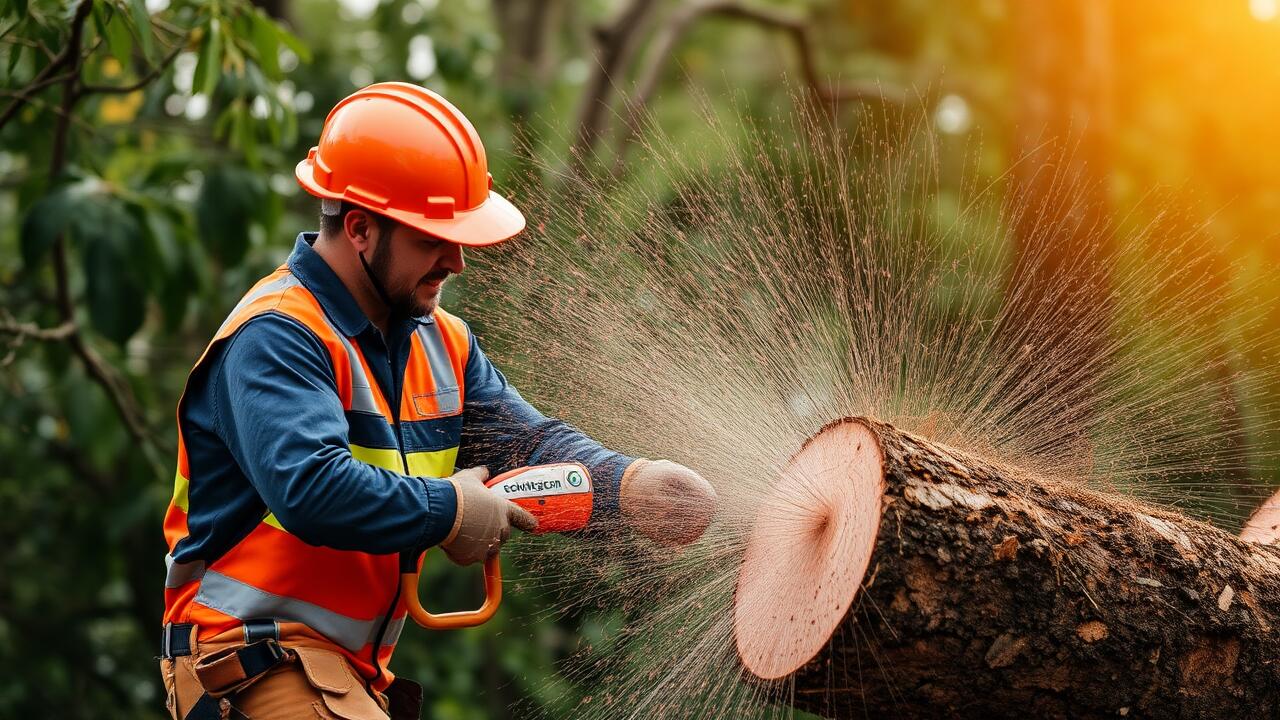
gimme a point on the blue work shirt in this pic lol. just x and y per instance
(265, 432)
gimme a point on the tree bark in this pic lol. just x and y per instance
(990, 594)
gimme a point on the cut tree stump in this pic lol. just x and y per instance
(890, 576)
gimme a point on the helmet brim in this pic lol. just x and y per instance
(494, 221)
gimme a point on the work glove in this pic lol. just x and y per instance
(484, 519)
(666, 502)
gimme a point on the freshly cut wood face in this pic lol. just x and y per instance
(1264, 527)
(809, 549)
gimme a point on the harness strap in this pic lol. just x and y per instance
(229, 670)
(226, 671)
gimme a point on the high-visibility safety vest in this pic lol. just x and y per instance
(341, 598)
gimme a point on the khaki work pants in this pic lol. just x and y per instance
(311, 683)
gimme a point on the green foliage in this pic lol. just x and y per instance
(228, 201)
(162, 176)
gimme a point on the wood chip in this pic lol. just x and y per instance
(1225, 598)
(1092, 631)
(1004, 650)
(1007, 549)
(1250, 602)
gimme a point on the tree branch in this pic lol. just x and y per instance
(44, 78)
(615, 45)
(792, 25)
(25, 94)
(117, 389)
(142, 82)
(23, 331)
(34, 44)
(20, 332)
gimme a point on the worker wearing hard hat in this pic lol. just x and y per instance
(320, 431)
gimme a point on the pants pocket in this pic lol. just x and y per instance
(166, 675)
(342, 694)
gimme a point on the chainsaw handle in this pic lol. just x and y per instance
(461, 619)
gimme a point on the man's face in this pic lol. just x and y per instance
(412, 266)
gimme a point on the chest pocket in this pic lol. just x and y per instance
(439, 396)
(441, 403)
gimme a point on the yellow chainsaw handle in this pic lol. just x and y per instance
(463, 618)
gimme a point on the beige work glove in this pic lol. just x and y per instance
(484, 519)
(666, 502)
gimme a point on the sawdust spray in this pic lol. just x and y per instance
(733, 297)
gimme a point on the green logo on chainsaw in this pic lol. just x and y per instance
(575, 478)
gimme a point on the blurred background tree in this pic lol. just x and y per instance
(146, 157)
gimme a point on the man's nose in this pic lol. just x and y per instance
(452, 260)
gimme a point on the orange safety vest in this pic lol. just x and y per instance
(346, 599)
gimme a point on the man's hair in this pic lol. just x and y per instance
(332, 224)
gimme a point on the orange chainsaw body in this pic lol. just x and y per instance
(559, 495)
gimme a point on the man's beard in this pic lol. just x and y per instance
(404, 301)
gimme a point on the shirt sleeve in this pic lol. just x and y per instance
(502, 431)
(277, 409)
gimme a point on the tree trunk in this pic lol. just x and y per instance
(988, 593)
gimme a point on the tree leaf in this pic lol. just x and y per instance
(50, 216)
(266, 43)
(116, 300)
(149, 257)
(142, 23)
(244, 136)
(44, 221)
(295, 44)
(226, 205)
(224, 121)
(209, 62)
(290, 134)
(115, 28)
(15, 57)
(111, 244)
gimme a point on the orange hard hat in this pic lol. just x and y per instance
(404, 152)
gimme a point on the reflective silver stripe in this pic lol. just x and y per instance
(281, 283)
(177, 574)
(393, 631)
(243, 602)
(448, 399)
(361, 392)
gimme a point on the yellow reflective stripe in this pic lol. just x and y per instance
(380, 457)
(180, 487)
(436, 463)
(386, 458)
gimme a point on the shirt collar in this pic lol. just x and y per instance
(334, 297)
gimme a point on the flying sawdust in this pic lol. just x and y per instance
(775, 279)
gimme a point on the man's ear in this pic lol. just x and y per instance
(360, 229)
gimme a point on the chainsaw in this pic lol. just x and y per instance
(558, 495)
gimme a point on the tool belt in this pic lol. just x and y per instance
(227, 671)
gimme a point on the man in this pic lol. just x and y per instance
(320, 430)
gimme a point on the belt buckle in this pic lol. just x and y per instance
(277, 650)
(166, 641)
(260, 629)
